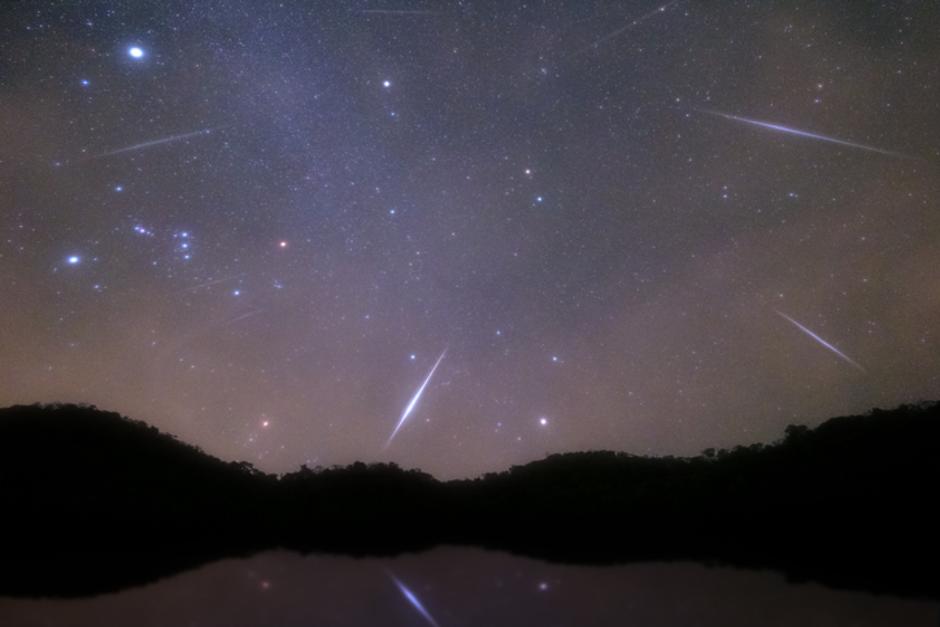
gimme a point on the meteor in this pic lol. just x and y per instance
(244, 316)
(632, 24)
(397, 12)
(414, 600)
(155, 142)
(414, 399)
(795, 131)
(821, 341)
(213, 282)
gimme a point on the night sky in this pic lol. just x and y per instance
(281, 230)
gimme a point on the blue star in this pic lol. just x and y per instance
(73, 260)
(136, 52)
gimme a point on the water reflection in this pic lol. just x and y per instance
(453, 587)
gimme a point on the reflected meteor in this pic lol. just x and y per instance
(414, 600)
(821, 341)
(414, 399)
(799, 133)
(155, 142)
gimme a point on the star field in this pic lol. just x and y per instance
(621, 225)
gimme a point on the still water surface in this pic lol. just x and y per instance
(452, 587)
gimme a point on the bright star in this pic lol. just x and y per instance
(543, 421)
(73, 260)
(136, 52)
(386, 83)
(85, 82)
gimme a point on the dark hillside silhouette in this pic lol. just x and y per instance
(93, 501)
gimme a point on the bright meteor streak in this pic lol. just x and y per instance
(414, 600)
(156, 142)
(414, 399)
(795, 131)
(821, 341)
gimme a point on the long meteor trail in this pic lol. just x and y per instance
(414, 601)
(414, 399)
(155, 142)
(779, 128)
(821, 341)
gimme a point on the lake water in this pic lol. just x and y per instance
(461, 587)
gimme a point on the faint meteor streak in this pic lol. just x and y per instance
(213, 282)
(155, 142)
(414, 399)
(397, 11)
(794, 131)
(244, 316)
(620, 31)
(414, 600)
(821, 341)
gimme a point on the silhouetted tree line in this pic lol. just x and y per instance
(851, 502)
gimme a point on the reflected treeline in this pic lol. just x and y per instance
(850, 503)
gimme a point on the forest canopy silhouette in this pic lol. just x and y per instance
(851, 502)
